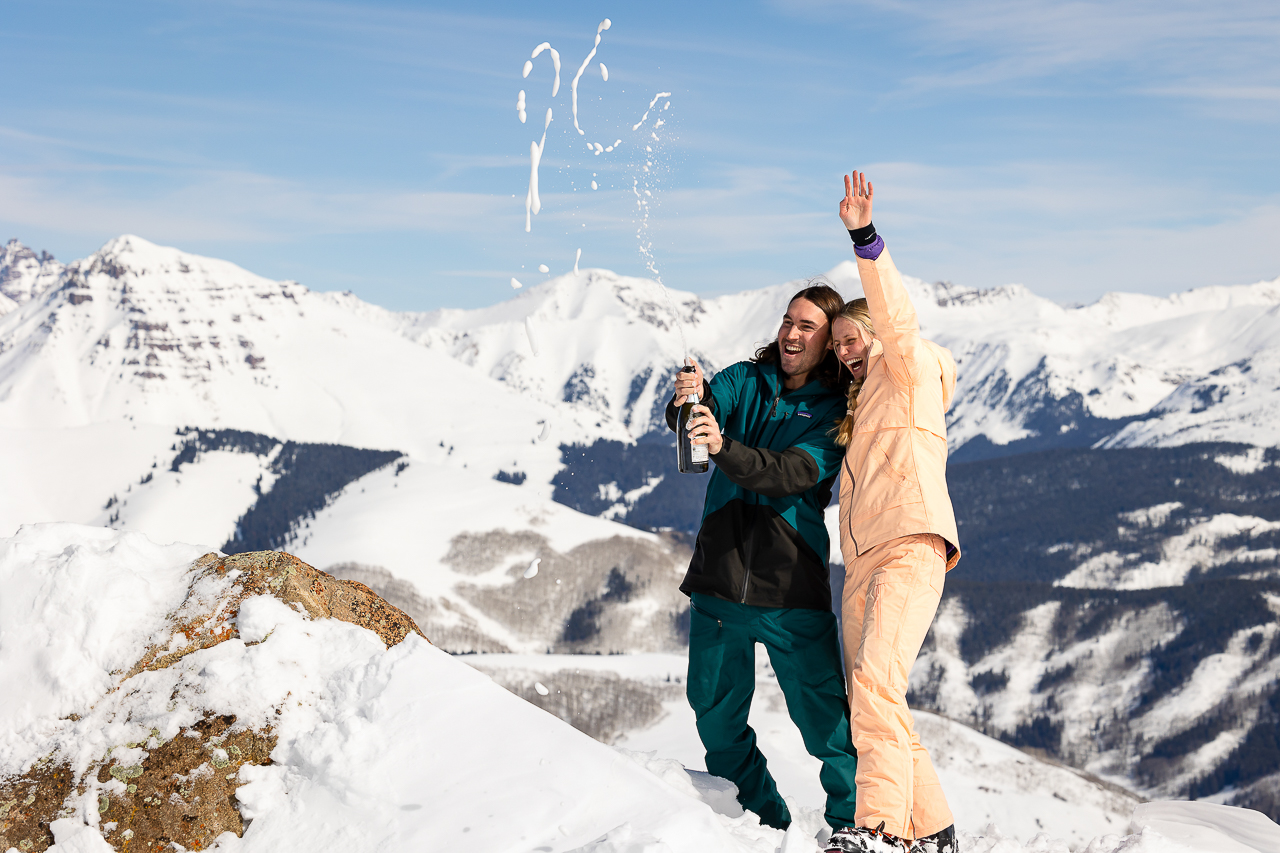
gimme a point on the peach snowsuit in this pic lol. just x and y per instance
(898, 537)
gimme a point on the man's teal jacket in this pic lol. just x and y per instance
(763, 540)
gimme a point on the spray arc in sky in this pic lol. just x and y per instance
(604, 25)
(643, 194)
(533, 204)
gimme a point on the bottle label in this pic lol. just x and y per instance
(698, 453)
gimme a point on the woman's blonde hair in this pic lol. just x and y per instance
(855, 311)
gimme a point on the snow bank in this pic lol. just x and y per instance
(76, 604)
(400, 748)
(1209, 826)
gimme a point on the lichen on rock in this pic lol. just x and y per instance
(152, 793)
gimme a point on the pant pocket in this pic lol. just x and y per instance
(707, 651)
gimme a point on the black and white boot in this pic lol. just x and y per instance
(943, 841)
(863, 839)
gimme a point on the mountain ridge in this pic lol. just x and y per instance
(1126, 370)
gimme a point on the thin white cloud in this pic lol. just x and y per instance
(241, 206)
(1219, 93)
(975, 43)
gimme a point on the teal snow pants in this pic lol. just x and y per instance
(805, 653)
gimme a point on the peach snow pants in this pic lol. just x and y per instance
(891, 594)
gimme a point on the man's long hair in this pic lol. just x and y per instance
(822, 295)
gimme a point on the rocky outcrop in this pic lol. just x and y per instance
(156, 793)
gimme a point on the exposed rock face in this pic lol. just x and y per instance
(25, 275)
(182, 791)
(29, 804)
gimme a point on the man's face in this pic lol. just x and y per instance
(804, 338)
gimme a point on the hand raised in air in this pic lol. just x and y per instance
(855, 207)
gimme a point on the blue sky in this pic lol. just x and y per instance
(1074, 147)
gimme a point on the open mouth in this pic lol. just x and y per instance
(854, 364)
(792, 349)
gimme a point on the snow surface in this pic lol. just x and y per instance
(378, 749)
(366, 734)
(986, 782)
(1210, 827)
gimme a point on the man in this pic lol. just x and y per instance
(759, 568)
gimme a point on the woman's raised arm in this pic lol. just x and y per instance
(892, 313)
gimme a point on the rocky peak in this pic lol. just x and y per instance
(174, 779)
(24, 274)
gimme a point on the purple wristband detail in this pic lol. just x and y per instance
(871, 252)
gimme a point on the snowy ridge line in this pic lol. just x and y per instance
(1128, 370)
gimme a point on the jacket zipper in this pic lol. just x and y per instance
(746, 578)
(749, 550)
(750, 537)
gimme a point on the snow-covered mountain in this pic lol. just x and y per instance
(152, 337)
(1172, 692)
(24, 274)
(151, 334)
(1128, 370)
(473, 466)
(145, 335)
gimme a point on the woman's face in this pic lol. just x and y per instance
(851, 346)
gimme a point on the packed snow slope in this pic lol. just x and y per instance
(986, 782)
(376, 748)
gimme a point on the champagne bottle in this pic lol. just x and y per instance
(693, 458)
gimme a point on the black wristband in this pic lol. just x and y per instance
(863, 236)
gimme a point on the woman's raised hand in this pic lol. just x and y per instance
(855, 207)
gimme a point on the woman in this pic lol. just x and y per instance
(898, 537)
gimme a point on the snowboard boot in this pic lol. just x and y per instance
(943, 841)
(863, 839)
